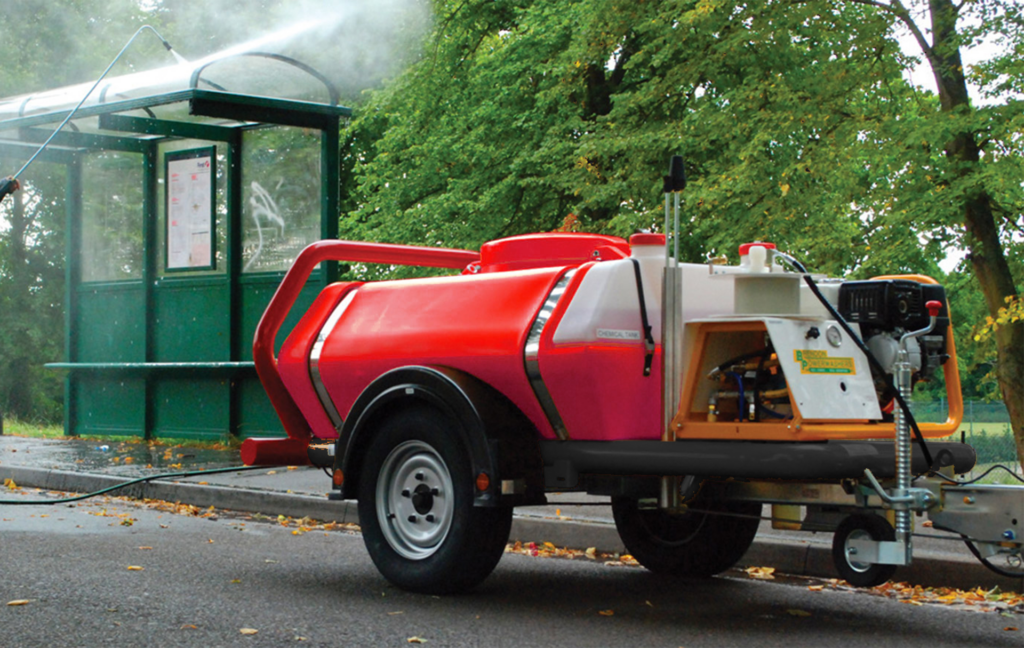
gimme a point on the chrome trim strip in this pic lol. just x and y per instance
(532, 363)
(314, 360)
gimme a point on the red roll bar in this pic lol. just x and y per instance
(284, 298)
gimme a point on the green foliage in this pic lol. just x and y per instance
(31, 295)
(994, 448)
(51, 43)
(524, 112)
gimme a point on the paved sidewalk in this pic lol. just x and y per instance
(570, 520)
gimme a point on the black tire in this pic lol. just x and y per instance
(416, 507)
(860, 574)
(699, 543)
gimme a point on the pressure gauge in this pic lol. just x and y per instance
(834, 337)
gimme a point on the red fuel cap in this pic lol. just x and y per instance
(745, 248)
(647, 239)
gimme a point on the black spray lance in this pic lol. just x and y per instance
(10, 184)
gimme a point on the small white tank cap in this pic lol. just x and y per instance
(757, 255)
(754, 256)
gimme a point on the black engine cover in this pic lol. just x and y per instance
(891, 304)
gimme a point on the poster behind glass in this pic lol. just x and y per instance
(191, 181)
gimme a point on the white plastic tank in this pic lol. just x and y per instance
(606, 307)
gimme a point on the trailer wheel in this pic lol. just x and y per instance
(706, 540)
(861, 527)
(416, 507)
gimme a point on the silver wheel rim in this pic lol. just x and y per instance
(855, 565)
(415, 502)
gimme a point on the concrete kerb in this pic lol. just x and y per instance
(796, 557)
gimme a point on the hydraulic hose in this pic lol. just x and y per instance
(188, 473)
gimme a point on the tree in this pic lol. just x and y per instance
(980, 175)
(794, 119)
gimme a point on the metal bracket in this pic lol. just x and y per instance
(877, 552)
(911, 499)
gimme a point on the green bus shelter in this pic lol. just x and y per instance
(186, 200)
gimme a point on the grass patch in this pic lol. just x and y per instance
(994, 429)
(14, 427)
(998, 476)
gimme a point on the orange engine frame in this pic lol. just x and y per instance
(690, 423)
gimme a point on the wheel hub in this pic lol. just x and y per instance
(423, 499)
(414, 499)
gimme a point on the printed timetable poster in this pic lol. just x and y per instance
(191, 187)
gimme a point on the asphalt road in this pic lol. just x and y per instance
(203, 580)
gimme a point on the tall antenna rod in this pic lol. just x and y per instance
(671, 324)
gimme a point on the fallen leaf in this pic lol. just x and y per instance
(798, 613)
(9, 483)
(816, 588)
(763, 573)
(415, 640)
(188, 626)
(18, 602)
(248, 631)
(146, 548)
(135, 568)
(395, 613)
(1010, 629)
(237, 580)
(606, 612)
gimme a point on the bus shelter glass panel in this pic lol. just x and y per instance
(112, 214)
(280, 196)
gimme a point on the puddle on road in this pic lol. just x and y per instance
(112, 457)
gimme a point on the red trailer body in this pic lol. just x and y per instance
(440, 403)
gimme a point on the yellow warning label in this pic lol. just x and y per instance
(818, 362)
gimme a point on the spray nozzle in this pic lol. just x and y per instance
(8, 185)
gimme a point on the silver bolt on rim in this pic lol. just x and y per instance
(857, 565)
(415, 500)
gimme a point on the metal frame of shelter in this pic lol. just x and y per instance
(175, 360)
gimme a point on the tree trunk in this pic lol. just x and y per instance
(985, 253)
